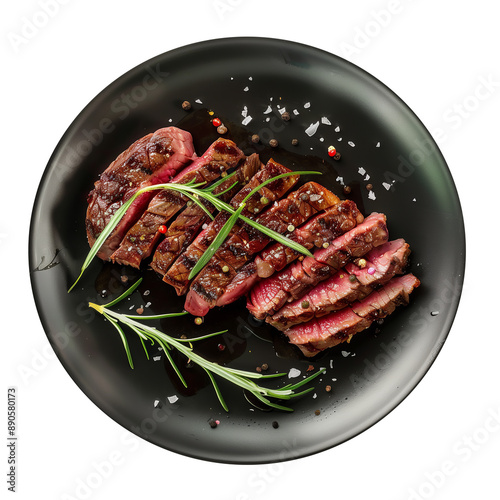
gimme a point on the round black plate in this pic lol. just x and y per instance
(382, 143)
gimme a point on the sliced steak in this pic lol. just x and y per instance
(321, 229)
(188, 223)
(154, 159)
(296, 280)
(143, 236)
(239, 248)
(178, 274)
(328, 331)
(345, 286)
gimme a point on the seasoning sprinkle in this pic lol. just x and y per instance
(225, 269)
(275, 425)
(273, 143)
(291, 227)
(186, 105)
(305, 304)
(198, 320)
(332, 151)
(352, 278)
(222, 129)
(255, 138)
(337, 156)
(347, 189)
(162, 229)
(212, 423)
(216, 122)
(295, 142)
(326, 244)
(317, 412)
(361, 263)
(285, 116)
(264, 200)
(371, 270)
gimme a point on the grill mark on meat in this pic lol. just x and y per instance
(325, 227)
(339, 326)
(177, 275)
(186, 226)
(152, 159)
(344, 287)
(239, 248)
(143, 236)
(297, 279)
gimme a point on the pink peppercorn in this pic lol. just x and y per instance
(371, 270)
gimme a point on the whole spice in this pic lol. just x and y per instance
(305, 304)
(332, 151)
(285, 116)
(162, 229)
(347, 189)
(369, 187)
(186, 105)
(255, 138)
(198, 321)
(273, 143)
(222, 129)
(337, 156)
(275, 425)
(295, 142)
(216, 122)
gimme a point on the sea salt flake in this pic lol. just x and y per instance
(351, 144)
(268, 110)
(322, 139)
(361, 171)
(246, 89)
(156, 358)
(268, 119)
(250, 78)
(157, 403)
(293, 373)
(295, 112)
(387, 185)
(371, 195)
(244, 112)
(311, 130)
(199, 101)
(337, 129)
(247, 120)
(172, 399)
(345, 354)
(147, 304)
(367, 176)
(325, 121)
(281, 110)
(414, 199)
(340, 179)
(307, 105)
(315, 396)
(339, 139)
(377, 145)
(434, 313)
(331, 366)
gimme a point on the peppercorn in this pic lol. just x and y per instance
(264, 366)
(369, 187)
(305, 304)
(337, 156)
(273, 143)
(295, 142)
(285, 116)
(222, 129)
(328, 388)
(347, 189)
(255, 138)
(275, 425)
(317, 412)
(186, 105)
(212, 423)
(352, 278)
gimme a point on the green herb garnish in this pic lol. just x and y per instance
(194, 193)
(241, 378)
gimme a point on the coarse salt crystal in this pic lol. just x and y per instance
(247, 120)
(250, 78)
(311, 130)
(156, 358)
(339, 139)
(199, 101)
(172, 399)
(361, 171)
(351, 144)
(281, 110)
(414, 199)
(295, 112)
(321, 139)
(387, 185)
(337, 129)
(325, 121)
(377, 145)
(345, 353)
(147, 304)
(315, 396)
(156, 403)
(307, 105)
(294, 372)
(246, 89)
(244, 111)
(371, 195)
(367, 176)
(331, 364)
(268, 110)
(340, 179)
(268, 119)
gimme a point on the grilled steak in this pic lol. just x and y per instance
(239, 248)
(345, 286)
(294, 281)
(143, 236)
(339, 326)
(178, 274)
(321, 229)
(188, 223)
(154, 159)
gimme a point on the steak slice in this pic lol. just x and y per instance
(345, 286)
(321, 229)
(239, 248)
(188, 223)
(178, 274)
(143, 236)
(154, 159)
(294, 281)
(328, 331)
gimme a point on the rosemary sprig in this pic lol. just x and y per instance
(193, 192)
(241, 378)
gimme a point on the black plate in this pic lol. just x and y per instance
(233, 77)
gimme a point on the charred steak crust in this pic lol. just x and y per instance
(142, 237)
(153, 159)
(186, 226)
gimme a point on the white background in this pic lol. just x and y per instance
(443, 441)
